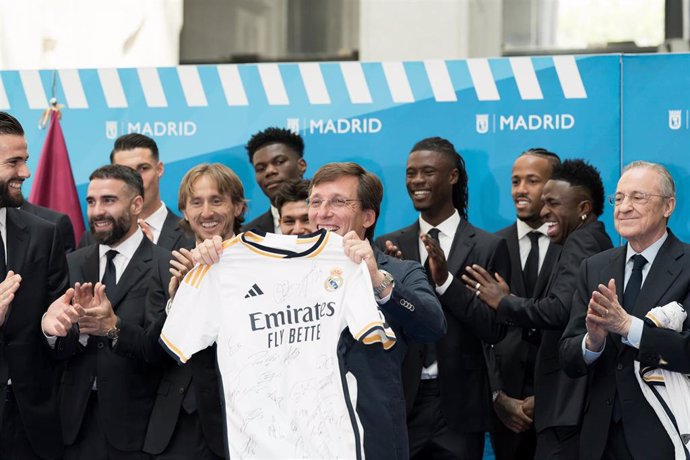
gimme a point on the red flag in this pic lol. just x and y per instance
(53, 185)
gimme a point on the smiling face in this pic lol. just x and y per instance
(294, 218)
(642, 224)
(274, 164)
(563, 207)
(430, 177)
(529, 175)
(13, 169)
(341, 220)
(112, 209)
(210, 212)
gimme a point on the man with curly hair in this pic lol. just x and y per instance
(277, 157)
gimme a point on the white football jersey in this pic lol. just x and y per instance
(276, 306)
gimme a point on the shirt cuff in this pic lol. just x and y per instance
(387, 298)
(634, 334)
(588, 355)
(50, 338)
(440, 290)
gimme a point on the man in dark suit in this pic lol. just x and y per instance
(446, 385)
(108, 389)
(346, 199)
(606, 333)
(34, 274)
(187, 418)
(513, 435)
(157, 221)
(277, 156)
(573, 199)
(61, 221)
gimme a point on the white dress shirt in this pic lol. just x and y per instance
(3, 230)
(156, 221)
(525, 244)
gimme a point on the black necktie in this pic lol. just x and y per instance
(429, 349)
(109, 276)
(530, 272)
(3, 265)
(634, 283)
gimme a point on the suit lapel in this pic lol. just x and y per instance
(518, 287)
(17, 243)
(553, 254)
(135, 271)
(170, 231)
(90, 267)
(661, 275)
(408, 242)
(615, 267)
(461, 247)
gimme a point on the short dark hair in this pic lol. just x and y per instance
(445, 147)
(124, 173)
(10, 125)
(291, 191)
(369, 190)
(275, 135)
(553, 158)
(133, 141)
(579, 173)
(227, 183)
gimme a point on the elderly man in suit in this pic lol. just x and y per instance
(157, 221)
(446, 383)
(108, 389)
(607, 333)
(34, 274)
(277, 157)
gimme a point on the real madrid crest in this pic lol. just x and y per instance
(334, 280)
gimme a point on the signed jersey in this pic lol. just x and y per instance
(276, 306)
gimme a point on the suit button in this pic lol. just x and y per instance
(619, 367)
(181, 390)
(100, 345)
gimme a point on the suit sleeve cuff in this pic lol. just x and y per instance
(588, 355)
(634, 334)
(440, 290)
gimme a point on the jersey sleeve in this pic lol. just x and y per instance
(364, 319)
(194, 317)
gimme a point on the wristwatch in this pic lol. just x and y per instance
(114, 332)
(387, 281)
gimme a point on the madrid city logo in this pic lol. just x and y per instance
(335, 125)
(675, 119)
(485, 122)
(184, 128)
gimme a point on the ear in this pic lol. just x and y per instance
(368, 218)
(454, 176)
(302, 166)
(137, 205)
(160, 167)
(184, 216)
(669, 206)
(239, 209)
(584, 208)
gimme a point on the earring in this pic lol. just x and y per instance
(583, 217)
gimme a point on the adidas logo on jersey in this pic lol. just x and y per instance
(254, 292)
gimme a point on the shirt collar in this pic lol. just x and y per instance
(127, 248)
(3, 217)
(447, 227)
(157, 219)
(276, 220)
(649, 253)
(523, 229)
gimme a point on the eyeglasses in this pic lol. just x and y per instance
(636, 197)
(335, 203)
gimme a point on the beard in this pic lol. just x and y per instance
(7, 199)
(120, 227)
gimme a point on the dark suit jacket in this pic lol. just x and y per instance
(264, 223)
(126, 383)
(34, 251)
(514, 355)
(463, 376)
(559, 399)
(413, 312)
(61, 221)
(612, 375)
(172, 236)
(199, 375)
